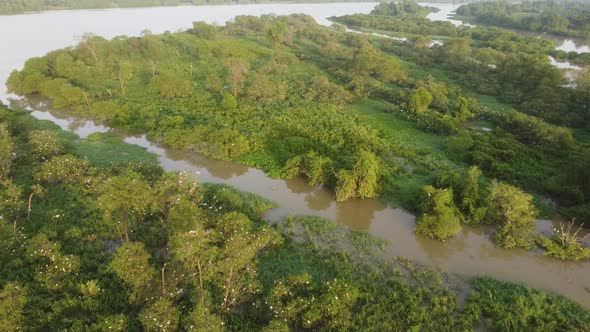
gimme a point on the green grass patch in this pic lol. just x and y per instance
(294, 258)
(230, 199)
(106, 149)
(394, 129)
(511, 307)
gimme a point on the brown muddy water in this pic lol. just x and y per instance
(469, 253)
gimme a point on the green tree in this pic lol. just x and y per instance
(196, 250)
(175, 198)
(88, 45)
(62, 169)
(362, 181)
(236, 73)
(313, 165)
(124, 200)
(277, 33)
(513, 211)
(226, 144)
(235, 268)
(318, 168)
(306, 304)
(161, 316)
(205, 30)
(36, 191)
(54, 269)
(471, 197)
(200, 318)
(44, 144)
(171, 86)
(439, 92)
(6, 151)
(439, 218)
(368, 61)
(229, 102)
(419, 100)
(11, 202)
(457, 52)
(263, 88)
(125, 73)
(113, 323)
(463, 112)
(131, 264)
(12, 301)
(583, 86)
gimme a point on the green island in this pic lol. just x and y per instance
(565, 18)
(460, 125)
(96, 242)
(406, 19)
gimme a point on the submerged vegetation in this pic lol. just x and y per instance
(126, 246)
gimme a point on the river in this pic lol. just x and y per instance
(469, 253)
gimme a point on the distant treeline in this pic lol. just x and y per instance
(569, 18)
(23, 6)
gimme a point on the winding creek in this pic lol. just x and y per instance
(469, 253)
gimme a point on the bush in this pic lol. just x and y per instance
(565, 244)
(439, 217)
(514, 211)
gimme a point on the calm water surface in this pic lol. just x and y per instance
(469, 253)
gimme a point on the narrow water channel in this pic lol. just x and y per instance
(469, 253)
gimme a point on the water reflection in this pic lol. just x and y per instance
(573, 45)
(319, 200)
(452, 247)
(563, 64)
(357, 213)
(446, 10)
(299, 186)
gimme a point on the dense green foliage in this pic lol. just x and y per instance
(521, 309)
(514, 212)
(568, 17)
(200, 258)
(401, 8)
(227, 97)
(528, 125)
(439, 218)
(293, 98)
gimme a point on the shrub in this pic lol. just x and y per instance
(565, 243)
(439, 217)
(514, 211)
